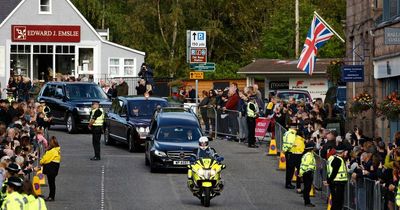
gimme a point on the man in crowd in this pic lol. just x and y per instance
(252, 114)
(288, 140)
(123, 88)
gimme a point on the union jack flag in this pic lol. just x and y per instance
(318, 34)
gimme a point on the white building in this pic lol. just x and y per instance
(42, 38)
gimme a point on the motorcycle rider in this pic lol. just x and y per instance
(204, 150)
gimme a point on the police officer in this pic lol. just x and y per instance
(252, 114)
(288, 140)
(96, 126)
(12, 171)
(297, 151)
(337, 177)
(10, 97)
(307, 169)
(14, 199)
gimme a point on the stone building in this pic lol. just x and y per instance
(373, 40)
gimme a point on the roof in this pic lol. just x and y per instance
(141, 98)
(177, 119)
(276, 66)
(7, 6)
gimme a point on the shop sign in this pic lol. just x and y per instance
(278, 85)
(45, 33)
(353, 73)
(392, 36)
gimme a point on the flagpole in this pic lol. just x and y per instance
(341, 39)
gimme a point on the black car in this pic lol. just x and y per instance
(172, 139)
(129, 119)
(70, 102)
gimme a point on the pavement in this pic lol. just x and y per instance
(121, 181)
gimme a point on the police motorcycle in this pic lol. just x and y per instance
(204, 174)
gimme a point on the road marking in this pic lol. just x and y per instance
(102, 189)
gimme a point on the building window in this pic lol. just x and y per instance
(20, 59)
(114, 66)
(44, 6)
(121, 67)
(391, 9)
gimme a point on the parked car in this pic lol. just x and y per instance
(336, 98)
(298, 95)
(129, 119)
(172, 139)
(70, 102)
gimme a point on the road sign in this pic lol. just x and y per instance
(202, 66)
(353, 73)
(198, 39)
(198, 55)
(196, 75)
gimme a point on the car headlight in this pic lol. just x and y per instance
(213, 172)
(83, 109)
(160, 153)
(206, 174)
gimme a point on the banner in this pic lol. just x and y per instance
(262, 124)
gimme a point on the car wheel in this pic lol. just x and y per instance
(107, 138)
(131, 143)
(146, 161)
(71, 127)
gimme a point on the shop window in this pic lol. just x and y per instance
(44, 6)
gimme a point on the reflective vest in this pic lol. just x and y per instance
(298, 145)
(100, 120)
(35, 203)
(3, 192)
(251, 113)
(288, 139)
(15, 201)
(398, 194)
(307, 163)
(342, 173)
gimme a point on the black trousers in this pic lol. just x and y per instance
(251, 127)
(52, 186)
(96, 136)
(308, 180)
(290, 165)
(297, 162)
(337, 192)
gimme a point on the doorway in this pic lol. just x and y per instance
(43, 67)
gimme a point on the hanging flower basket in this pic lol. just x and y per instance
(390, 106)
(362, 103)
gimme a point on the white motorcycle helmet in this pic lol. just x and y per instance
(203, 142)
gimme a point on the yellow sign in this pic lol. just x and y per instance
(196, 75)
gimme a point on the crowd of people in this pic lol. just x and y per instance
(365, 159)
(25, 147)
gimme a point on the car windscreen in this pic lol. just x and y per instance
(297, 96)
(144, 108)
(178, 134)
(341, 94)
(84, 91)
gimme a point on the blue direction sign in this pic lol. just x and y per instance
(202, 66)
(353, 73)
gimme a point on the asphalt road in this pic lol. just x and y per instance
(122, 181)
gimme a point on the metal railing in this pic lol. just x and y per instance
(279, 132)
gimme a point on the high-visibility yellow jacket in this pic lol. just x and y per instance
(307, 163)
(35, 203)
(298, 146)
(288, 139)
(53, 155)
(15, 201)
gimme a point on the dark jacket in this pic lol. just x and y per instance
(147, 75)
(122, 89)
(141, 89)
